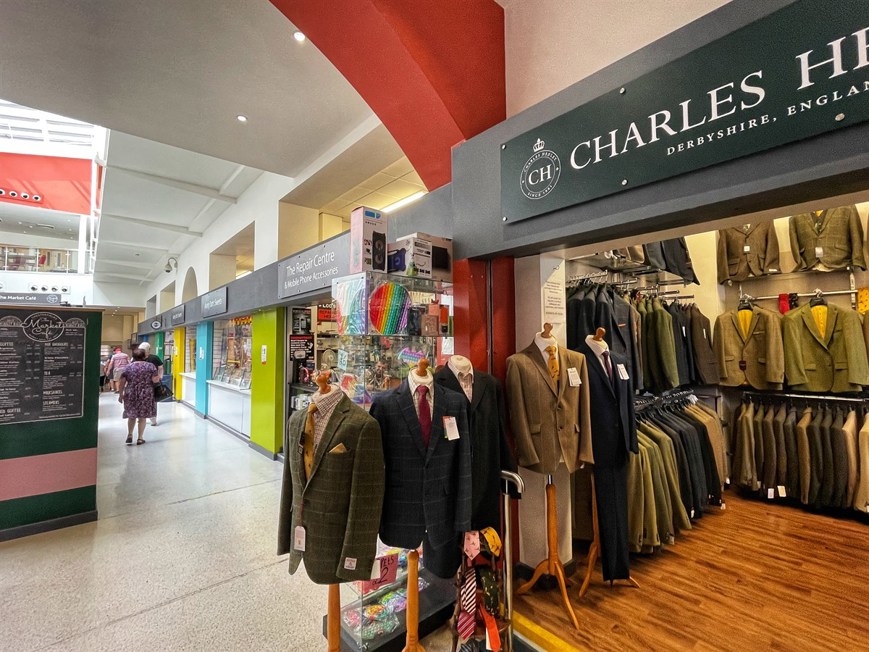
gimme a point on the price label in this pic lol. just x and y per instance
(746, 248)
(387, 574)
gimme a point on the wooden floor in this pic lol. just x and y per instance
(755, 576)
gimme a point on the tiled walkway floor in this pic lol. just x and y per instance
(182, 558)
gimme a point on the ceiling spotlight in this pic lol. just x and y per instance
(24, 195)
(241, 118)
(37, 198)
(299, 36)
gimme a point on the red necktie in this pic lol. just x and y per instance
(606, 363)
(424, 414)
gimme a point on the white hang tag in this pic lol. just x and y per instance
(299, 539)
(451, 428)
(623, 373)
(746, 248)
(782, 492)
(350, 563)
(705, 336)
(819, 251)
(573, 377)
(684, 332)
(770, 493)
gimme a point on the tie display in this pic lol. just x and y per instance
(553, 362)
(607, 365)
(424, 414)
(465, 623)
(309, 440)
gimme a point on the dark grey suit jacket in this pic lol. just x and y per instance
(428, 491)
(339, 506)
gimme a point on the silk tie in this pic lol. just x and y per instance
(466, 623)
(553, 362)
(607, 365)
(424, 414)
(309, 440)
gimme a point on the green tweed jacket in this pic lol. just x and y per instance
(834, 361)
(339, 506)
(833, 240)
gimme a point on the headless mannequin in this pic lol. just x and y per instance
(598, 344)
(544, 339)
(460, 364)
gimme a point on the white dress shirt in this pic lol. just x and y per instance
(414, 381)
(465, 378)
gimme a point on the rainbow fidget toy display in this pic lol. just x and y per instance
(388, 307)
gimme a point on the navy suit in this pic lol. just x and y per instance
(428, 491)
(613, 436)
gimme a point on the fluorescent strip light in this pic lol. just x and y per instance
(244, 273)
(403, 202)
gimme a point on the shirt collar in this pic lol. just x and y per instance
(412, 382)
(597, 347)
(458, 374)
(327, 402)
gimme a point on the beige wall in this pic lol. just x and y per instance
(118, 328)
(551, 44)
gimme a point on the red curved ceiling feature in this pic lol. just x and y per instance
(62, 184)
(432, 72)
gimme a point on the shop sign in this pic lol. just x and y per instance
(797, 73)
(175, 317)
(314, 268)
(214, 303)
(30, 298)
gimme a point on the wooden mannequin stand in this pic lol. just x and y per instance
(594, 549)
(411, 643)
(552, 564)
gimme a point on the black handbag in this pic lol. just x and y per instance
(161, 392)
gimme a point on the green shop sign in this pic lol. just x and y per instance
(797, 73)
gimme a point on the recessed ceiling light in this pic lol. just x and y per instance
(299, 36)
(403, 202)
(241, 118)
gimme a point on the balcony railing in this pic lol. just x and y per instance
(31, 259)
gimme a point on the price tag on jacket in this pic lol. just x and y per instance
(746, 248)
(819, 251)
(451, 428)
(770, 493)
(573, 377)
(782, 492)
(623, 373)
(299, 539)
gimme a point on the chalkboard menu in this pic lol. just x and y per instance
(42, 357)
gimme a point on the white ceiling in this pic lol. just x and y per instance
(32, 220)
(158, 200)
(178, 72)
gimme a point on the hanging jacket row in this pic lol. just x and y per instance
(817, 454)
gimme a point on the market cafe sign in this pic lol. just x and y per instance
(797, 73)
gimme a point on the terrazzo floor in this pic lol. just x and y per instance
(181, 558)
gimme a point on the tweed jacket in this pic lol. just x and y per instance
(428, 490)
(804, 453)
(340, 505)
(490, 450)
(748, 250)
(849, 430)
(551, 422)
(834, 361)
(705, 362)
(661, 355)
(756, 360)
(833, 240)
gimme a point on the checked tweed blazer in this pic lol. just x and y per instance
(428, 491)
(551, 422)
(340, 505)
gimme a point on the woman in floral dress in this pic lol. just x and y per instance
(136, 387)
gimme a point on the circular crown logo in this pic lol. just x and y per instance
(540, 172)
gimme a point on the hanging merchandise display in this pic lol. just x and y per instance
(748, 345)
(828, 239)
(747, 250)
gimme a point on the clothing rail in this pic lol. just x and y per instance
(823, 398)
(852, 283)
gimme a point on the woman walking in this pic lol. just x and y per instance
(136, 387)
(116, 366)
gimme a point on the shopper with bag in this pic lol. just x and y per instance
(136, 387)
(159, 390)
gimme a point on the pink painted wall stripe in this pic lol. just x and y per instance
(42, 474)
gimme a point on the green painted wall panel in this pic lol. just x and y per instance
(267, 380)
(45, 507)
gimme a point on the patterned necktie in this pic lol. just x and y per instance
(309, 440)
(606, 364)
(466, 623)
(553, 362)
(424, 414)
(467, 383)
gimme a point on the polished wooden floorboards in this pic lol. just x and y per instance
(755, 576)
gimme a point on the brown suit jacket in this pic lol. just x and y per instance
(804, 454)
(761, 353)
(861, 492)
(850, 431)
(705, 362)
(834, 361)
(833, 240)
(762, 257)
(551, 422)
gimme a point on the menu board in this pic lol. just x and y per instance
(42, 357)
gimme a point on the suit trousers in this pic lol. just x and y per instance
(611, 489)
